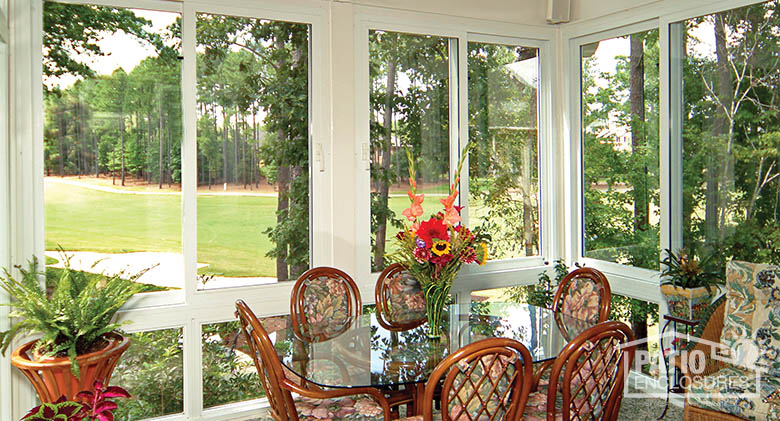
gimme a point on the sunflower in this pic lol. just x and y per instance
(440, 247)
(484, 257)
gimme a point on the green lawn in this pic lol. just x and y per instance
(230, 228)
(230, 237)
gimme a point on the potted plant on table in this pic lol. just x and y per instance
(79, 341)
(434, 250)
(687, 285)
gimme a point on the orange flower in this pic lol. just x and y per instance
(452, 216)
(450, 200)
(415, 209)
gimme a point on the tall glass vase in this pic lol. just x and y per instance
(436, 295)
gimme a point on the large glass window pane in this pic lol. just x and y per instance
(229, 373)
(253, 150)
(112, 141)
(731, 134)
(151, 370)
(503, 174)
(620, 149)
(409, 99)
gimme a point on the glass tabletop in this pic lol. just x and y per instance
(366, 354)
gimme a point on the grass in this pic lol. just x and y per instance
(230, 228)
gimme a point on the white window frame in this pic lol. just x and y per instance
(625, 280)
(5, 203)
(495, 274)
(190, 309)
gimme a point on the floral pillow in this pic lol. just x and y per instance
(406, 302)
(751, 325)
(326, 306)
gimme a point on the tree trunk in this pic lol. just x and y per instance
(638, 141)
(529, 234)
(225, 128)
(122, 137)
(160, 150)
(282, 206)
(61, 140)
(720, 128)
(148, 154)
(384, 184)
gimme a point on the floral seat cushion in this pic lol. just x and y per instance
(349, 408)
(752, 316)
(406, 302)
(738, 391)
(326, 306)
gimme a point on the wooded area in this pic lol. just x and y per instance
(252, 116)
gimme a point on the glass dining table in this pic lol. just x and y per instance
(366, 354)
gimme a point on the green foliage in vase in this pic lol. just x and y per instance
(73, 318)
(685, 270)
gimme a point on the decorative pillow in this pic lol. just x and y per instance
(751, 325)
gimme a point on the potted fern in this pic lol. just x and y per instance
(687, 285)
(79, 341)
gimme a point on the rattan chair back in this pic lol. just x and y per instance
(485, 380)
(269, 368)
(589, 373)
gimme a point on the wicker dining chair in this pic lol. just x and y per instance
(582, 300)
(587, 378)
(324, 303)
(485, 380)
(400, 303)
(364, 403)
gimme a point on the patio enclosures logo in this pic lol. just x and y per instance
(740, 375)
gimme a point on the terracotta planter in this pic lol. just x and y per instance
(687, 303)
(53, 378)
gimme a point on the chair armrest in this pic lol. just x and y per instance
(338, 393)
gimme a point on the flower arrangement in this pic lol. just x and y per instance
(433, 250)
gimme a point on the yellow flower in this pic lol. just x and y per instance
(484, 258)
(440, 247)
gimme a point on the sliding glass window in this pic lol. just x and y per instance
(112, 142)
(503, 166)
(410, 111)
(253, 151)
(730, 133)
(620, 149)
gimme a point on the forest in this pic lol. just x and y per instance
(127, 126)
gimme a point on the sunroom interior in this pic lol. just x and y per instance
(228, 146)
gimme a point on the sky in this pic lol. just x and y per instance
(122, 50)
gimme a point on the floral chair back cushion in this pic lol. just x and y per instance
(582, 300)
(404, 298)
(752, 318)
(326, 305)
